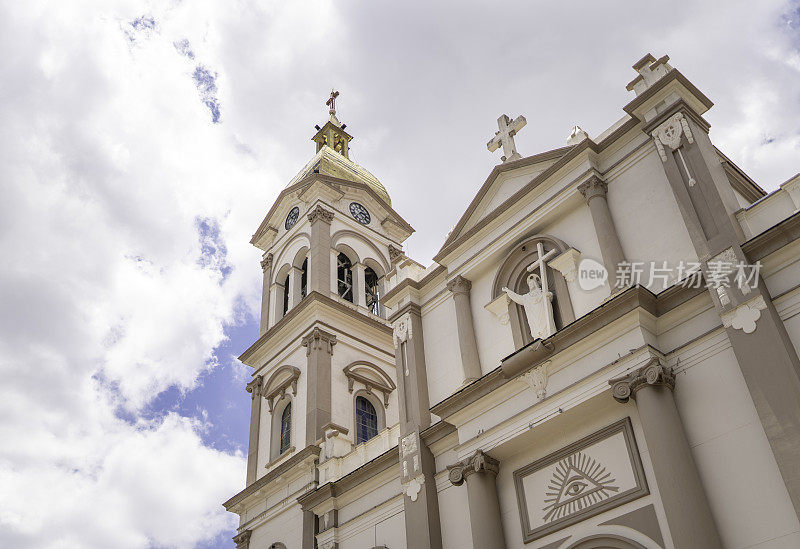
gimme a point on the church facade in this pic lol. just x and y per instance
(603, 353)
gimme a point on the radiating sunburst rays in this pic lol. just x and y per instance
(577, 483)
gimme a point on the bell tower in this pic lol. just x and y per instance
(324, 385)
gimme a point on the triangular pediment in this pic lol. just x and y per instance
(504, 181)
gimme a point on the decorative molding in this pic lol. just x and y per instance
(608, 465)
(275, 388)
(479, 462)
(266, 263)
(593, 187)
(536, 379)
(384, 384)
(396, 255)
(459, 285)
(320, 213)
(319, 340)
(499, 308)
(410, 456)
(566, 263)
(413, 486)
(669, 134)
(242, 540)
(744, 316)
(651, 374)
(254, 387)
(402, 330)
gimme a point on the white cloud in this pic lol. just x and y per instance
(109, 161)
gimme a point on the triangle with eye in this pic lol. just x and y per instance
(578, 482)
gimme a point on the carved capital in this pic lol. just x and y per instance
(319, 340)
(669, 134)
(320, 213)
(396, 255)
(266, 263)
(242, 540)
(254, 387)
(459, 285)
(402, 330)
(479, 462)
(593, 187)
(651, 374)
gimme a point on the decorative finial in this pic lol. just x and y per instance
(505, 137)
(578, 134)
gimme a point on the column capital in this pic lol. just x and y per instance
(651, 374)
(254, 387)
(479, 462)
(319, 340)
(242, 540)
(459, 285)
(320, 213)
(266, 263)
(592, 187)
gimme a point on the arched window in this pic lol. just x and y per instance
(366, 420)
(304, 279)
(286, 295)
(372, 291)
(286, 429)
(344, 277)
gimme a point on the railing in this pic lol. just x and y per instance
(335, 468)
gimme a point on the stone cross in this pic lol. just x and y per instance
(541, 265)
(332, 101)
(505, 137)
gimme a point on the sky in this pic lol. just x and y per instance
(141, 144)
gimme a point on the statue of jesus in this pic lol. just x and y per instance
(538, 307)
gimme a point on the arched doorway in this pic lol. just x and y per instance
(606, 541)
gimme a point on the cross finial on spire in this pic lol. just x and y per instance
(505, 137)
(332, 101)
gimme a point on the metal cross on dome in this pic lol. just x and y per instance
(505, 137)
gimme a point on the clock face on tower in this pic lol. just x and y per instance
(291, 219)
(360, 213)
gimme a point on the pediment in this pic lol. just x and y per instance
(504, 181)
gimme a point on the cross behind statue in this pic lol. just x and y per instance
(505, 137)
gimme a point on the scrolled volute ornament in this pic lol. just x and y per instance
(479, 462)
(651, 374)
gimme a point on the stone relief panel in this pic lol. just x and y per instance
(592, 475)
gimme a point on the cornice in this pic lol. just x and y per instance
(670, 77)
(436, 432)
(310, 300)
(338, 487)
(280, 470)
(773, 239)
(410, 283)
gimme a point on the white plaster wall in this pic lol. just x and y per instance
(381, 530)
(287, 528)
(442, 355)
(748, 498)
(372, 493)
(766, 212)
(646, 214)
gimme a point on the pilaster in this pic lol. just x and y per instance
(266, 267)
(319, 265)
(319, 350)
(595, 191)
(480, 473)
(420, 500)
(470, 362)
(359, 295)
(242, 539)
(685, 503)
(254, 388)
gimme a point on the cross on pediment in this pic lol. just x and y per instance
(505, 137)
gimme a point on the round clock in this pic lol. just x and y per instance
(291, 219)
(359, 213)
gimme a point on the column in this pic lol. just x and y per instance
(420, 498)
(594, 191)
(266, 267)
(334, 273)
(319, 350)
(480, 473)
(319, 266)
(295, 287)
(691, 523)
(242, 540)
(276, 291)
(467, 344)
(254, 388)
(359, 295)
